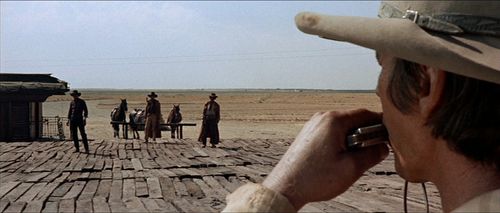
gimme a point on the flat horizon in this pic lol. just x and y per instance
(224, 89)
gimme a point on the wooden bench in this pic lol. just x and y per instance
(179, 132)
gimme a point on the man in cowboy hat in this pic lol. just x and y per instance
(153, 116)
(211, 118)
(440, 92)
(77, 116)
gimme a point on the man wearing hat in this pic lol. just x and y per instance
(440, 92)
(77, 116)
(153, 116)
(211, 118)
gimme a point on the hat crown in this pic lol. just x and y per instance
(472, 8)
(152, 94)
(462, 37)
(452, 17)
(75, 93)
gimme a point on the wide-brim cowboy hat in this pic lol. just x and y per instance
(152, 95)
(462, 37)
(75, 93)
(213, 96)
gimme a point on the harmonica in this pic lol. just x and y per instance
(367, 136)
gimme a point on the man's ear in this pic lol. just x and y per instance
(432, 89)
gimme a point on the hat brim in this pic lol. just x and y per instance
(472, 56)
(75, 94)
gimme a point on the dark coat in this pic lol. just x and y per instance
(209, 127)
(77, 110)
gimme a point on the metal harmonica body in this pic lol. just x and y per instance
(367, 136)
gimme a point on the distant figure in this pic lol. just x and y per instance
(77, 116)
(174, 117)
(153, 116)
(211, 118)
(118, 114)
(136, 117)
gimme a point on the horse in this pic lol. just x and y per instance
(173, 118)
(118, 114)
(137, 119)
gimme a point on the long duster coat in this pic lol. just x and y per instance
(153, 116)
(209, 127)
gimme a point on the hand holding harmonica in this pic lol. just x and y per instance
(316, 166)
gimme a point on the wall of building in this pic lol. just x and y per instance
(20, 120)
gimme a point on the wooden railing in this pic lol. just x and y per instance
(179, 125)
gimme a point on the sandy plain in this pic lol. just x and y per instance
(244, 113)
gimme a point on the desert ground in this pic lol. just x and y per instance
(177, 175)
(248, 114)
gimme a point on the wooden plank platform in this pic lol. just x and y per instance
(174, 175)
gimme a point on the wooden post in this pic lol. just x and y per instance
(180, 132)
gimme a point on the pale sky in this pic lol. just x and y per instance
(182, 45)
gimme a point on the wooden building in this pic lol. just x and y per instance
(21, 98)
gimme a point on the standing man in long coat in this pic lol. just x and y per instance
(153, 116)
(211, 118)
(77, 116)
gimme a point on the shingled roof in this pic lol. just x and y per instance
(43, 84)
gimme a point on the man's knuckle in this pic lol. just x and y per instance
(337, 118)
(317, 114)
(332, 114)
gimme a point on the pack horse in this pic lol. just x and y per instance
(174, 117)
(137, 118)
(119, 114)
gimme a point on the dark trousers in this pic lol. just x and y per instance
(211, 131)
(74, 125)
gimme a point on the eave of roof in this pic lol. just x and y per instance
(16, 83)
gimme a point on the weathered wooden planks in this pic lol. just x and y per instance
(99, 204)
(168, 176)
(154, 188)
(6, 187)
